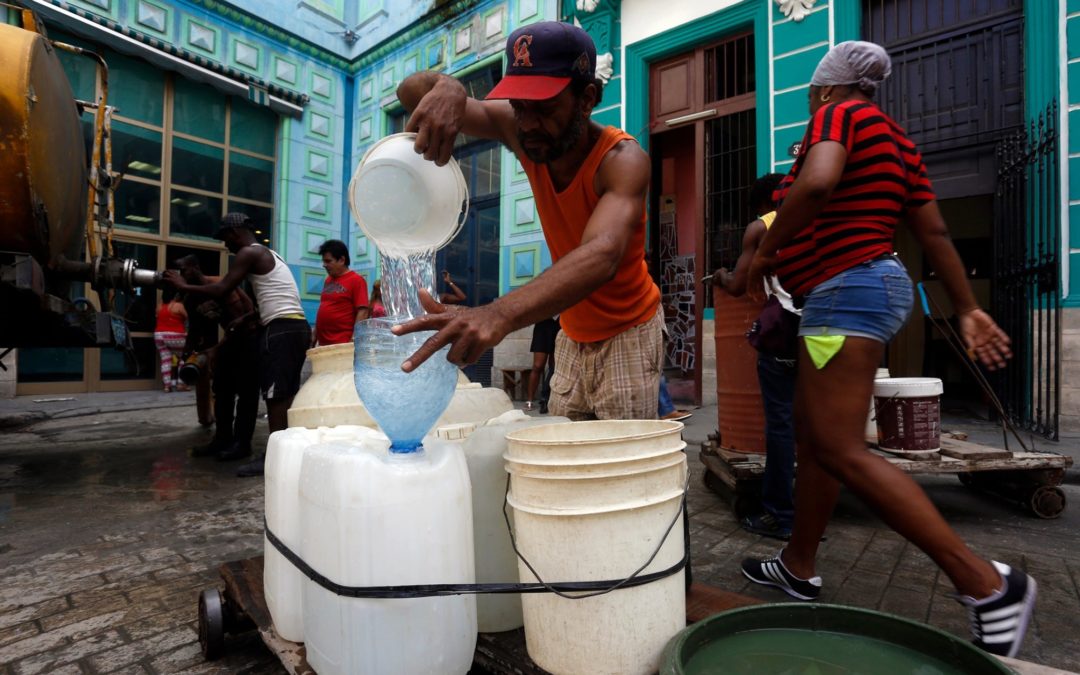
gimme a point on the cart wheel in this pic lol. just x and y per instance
(211, 624)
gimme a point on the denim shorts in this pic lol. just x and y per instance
(871, 300)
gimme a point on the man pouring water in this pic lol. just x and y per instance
(589, 183)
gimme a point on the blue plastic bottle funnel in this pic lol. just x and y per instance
(405, 405)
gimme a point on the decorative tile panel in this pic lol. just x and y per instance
(386, 79)
(313, 239)
(371, 9)
(97, 5)
(201, 37)
(334, 9)
(317, 204)
(319, 124)
(524, 263)
(494, 24)
(525, 213)
(411, 64)
(463, 40)
(311, 283)
(152, 16)
(322, 86)
(285, 71)
(436, 55)
(363, 128)
(319, 165)
(367, 88)
(246, 55)
(361, 252)
(527, 11)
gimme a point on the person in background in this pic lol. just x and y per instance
(665, 408)
(284, 334)
(776, 375)
(543, 365)
(170, 332)
(233, 360)
(453, 294)
(856, 177)
(344, 299)
(590, 183)
(377, 308)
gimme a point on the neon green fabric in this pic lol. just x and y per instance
(823, 348)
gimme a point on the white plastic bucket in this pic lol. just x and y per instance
(592, 501)
(908, 412)
(405, 203)
(871, 417)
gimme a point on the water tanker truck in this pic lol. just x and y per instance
(55, 202)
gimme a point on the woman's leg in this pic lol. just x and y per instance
(165, 358)
(832, 402)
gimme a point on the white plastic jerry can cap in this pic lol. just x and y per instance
(455, 432)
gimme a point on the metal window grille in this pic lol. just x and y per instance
(1027, 295)
(730, 150)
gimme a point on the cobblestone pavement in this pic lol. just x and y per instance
(109, 530)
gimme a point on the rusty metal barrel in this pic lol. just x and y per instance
(42, 152)
(738, 396)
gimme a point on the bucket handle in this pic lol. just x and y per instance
(618, 584)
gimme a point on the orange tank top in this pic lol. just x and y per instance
(628, 300)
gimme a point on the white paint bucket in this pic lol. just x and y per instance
(908, 414)
(593, 501)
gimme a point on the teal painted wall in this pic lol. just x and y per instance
(1069, 73)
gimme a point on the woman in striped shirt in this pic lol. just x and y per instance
(857, 176)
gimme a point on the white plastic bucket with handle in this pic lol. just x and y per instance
(593, 501)
(405, 203)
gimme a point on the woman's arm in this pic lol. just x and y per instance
(809, 194)
(819, 176)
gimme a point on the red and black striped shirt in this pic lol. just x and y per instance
(884, 177)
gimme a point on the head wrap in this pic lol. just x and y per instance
(863, 64)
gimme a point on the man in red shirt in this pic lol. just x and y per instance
(344, 298)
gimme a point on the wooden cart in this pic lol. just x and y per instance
(241, 607)
(1030, 480)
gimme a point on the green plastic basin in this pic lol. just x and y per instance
(805, 639)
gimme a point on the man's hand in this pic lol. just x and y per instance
(437, 119)
(760, 267)
(470, 331)
(172, 278)
(984, 339)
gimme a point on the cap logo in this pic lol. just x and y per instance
(521, 52)
(582, 64)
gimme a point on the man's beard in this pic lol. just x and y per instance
(559, 146)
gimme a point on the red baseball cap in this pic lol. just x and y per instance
(542, 58)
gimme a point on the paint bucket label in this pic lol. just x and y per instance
(908, 424)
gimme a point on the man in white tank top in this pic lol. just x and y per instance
(284, 333)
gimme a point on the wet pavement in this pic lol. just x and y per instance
(109, 530)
